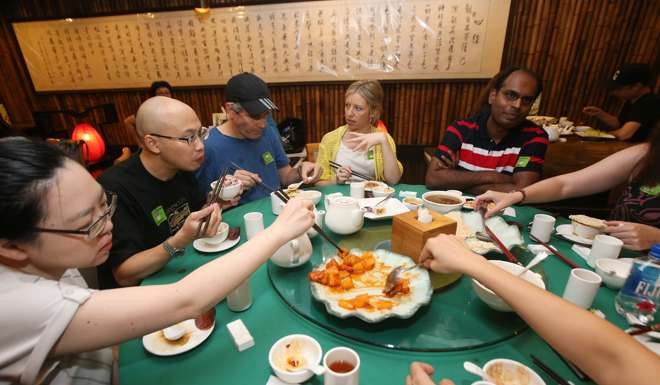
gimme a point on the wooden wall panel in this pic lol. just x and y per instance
(573, 44)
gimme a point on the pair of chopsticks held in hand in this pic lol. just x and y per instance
(337, 166)
(212, 197)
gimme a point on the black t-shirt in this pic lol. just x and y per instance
(148, 211)
(645, 111)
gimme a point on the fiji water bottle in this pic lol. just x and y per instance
(639, 297)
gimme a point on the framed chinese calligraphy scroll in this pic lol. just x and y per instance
(284, 42)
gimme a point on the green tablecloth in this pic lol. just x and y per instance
(217, 361)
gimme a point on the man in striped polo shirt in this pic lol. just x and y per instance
(498, 148)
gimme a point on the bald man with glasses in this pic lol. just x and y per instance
(159, 205)
(498, 148)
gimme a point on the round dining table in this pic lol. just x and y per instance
(273, 315)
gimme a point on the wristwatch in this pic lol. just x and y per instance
(173, 251)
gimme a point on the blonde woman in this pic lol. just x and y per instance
(358, 145)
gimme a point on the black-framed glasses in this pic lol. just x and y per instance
(201, 134)
(97, 226)
(512, 96)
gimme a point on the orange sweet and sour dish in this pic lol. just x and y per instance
(339, 274)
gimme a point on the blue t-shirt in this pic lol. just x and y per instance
(263, 156)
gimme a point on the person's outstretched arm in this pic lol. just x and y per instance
(601, 176)
(112, 316)
(603, 351)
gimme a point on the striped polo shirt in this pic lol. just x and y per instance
(522, 149)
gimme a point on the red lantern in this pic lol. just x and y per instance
(94, 147)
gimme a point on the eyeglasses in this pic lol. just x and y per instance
(512, 96)
(201, 134)
(97, 226)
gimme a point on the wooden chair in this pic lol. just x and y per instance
(312, 151)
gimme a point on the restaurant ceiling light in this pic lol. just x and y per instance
(203, 10)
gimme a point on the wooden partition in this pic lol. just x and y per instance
(574, 44)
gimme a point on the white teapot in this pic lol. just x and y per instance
(343, 215)
(293, 253)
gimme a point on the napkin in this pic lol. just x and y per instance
(510, 212)
(272, 380)
(582, 251)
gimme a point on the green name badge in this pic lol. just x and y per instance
(522, 161)
(370, 154)
(267, 157)
(651, 190)
(158, 214)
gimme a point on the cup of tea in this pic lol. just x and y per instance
(342, 367)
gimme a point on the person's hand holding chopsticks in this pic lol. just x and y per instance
(343, 174)
(248, 179)
(296, 218)
(310, 172)
(188, 231)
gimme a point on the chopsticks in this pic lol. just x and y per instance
(354, 173)
(262, 184)
(554, 251)
(560, 380)
(644, 329)
(203, 225)
(577, 371)
(509, 255)
(285, 198)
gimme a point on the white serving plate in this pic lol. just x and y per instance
(392, 207)
(405, 306)
(155, 343)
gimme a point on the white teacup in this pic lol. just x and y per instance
(542, 227)
(319, 216)
(219, 237)
(345, 359)
(582, 287)
(276, 204)
(604, 246)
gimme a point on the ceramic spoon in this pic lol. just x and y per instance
(540, 257)
(471, 367)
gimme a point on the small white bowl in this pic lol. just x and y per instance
(220, 236)
(312, 195)
(511, 372)
(412, 203)
(309, 349)
(382, 191)
(228, 192)
(493, 300)
(442, 208)
(614, 272)
(584, 231)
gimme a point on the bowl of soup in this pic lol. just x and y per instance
(442, 201)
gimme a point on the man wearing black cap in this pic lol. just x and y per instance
(247, 144)
(633, 84)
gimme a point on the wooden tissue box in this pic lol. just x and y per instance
(409, 235)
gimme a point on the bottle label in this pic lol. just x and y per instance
(644, 282)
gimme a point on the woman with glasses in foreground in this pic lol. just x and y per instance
(55, 218)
